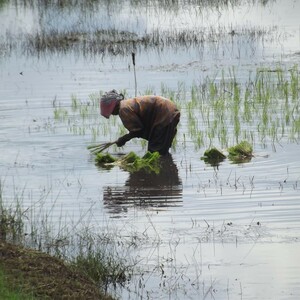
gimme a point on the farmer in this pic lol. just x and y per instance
(152, 118)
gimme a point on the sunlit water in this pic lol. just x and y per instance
(230, 232)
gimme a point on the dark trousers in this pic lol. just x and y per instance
(161, 138)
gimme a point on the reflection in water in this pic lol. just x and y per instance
(146, 190)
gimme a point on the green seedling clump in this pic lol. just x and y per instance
(213, 156)
(131, 162)
(129, 158)
(149, 162)
(241, 152)
(102, 159)
(214, 153)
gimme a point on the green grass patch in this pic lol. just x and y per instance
(8, 292)
(102, 268)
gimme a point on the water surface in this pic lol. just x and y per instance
(210, 232)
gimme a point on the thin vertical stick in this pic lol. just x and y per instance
(133, 61)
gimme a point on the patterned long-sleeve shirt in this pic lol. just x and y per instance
(147, 113)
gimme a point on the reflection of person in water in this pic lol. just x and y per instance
(147, 190)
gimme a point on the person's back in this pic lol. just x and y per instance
(146, 114)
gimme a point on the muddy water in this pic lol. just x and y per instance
(230, 231)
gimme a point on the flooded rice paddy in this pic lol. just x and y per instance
(195, 230)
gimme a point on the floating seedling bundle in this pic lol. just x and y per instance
(241, 152)
(131, 162)
(213, 156)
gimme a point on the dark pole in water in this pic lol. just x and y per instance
(133, 61)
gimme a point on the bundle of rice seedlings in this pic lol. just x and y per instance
(100, 147)
(149, 162)
(131, 162)
(102, 159)
(213, 156)
(241, 152)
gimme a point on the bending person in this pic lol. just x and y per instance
(152, 118)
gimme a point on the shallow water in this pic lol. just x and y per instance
(230, 231)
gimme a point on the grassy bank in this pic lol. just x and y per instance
(30, 274)
(9, 292)
(33, 266)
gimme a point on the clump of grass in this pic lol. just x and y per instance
(102, 268)
(11, 221)
(241, 152)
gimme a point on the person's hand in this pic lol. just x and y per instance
(121, 141)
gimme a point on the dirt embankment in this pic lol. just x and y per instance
(44, 276)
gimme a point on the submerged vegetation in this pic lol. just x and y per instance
(264, 108)
(219, 111)
(87, 37)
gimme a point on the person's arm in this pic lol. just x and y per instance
(127, 137)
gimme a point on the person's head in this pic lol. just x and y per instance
(110, 103)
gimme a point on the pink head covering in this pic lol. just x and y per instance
(108, 102)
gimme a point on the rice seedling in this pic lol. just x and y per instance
(216, 112)
(60, 113)
(99, 148)
(94, 98)
(75, 103)
(294, 82)
(255, 105)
